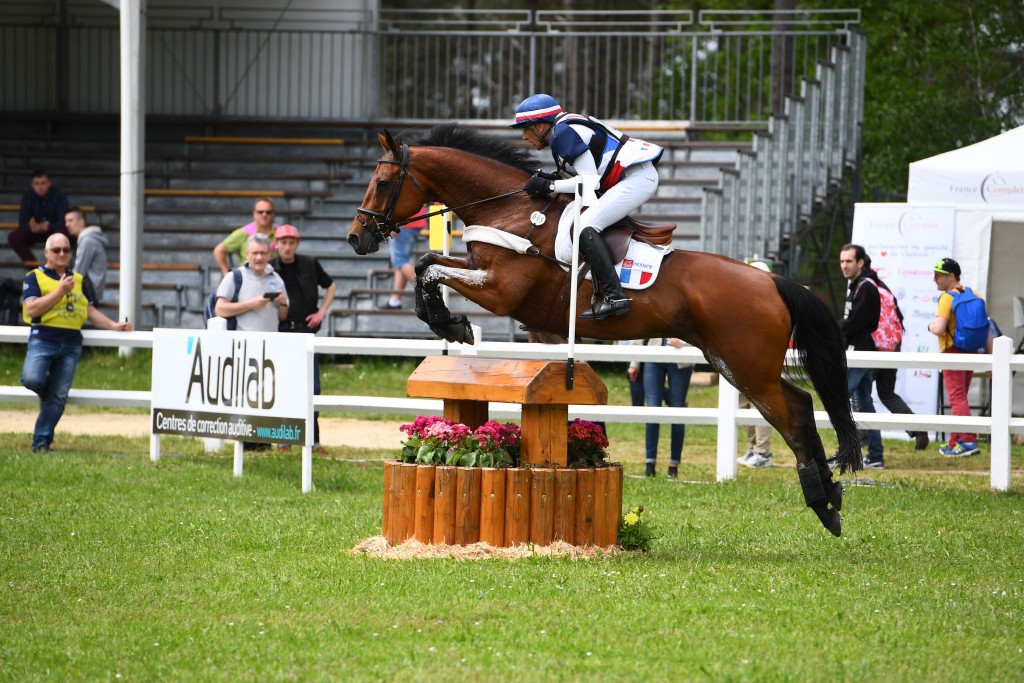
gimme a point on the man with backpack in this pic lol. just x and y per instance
(860, 320)
(961, 324)
(889, 337)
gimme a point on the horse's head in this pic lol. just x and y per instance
(388, 199)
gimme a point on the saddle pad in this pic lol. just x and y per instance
(638, 268)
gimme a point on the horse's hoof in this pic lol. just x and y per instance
(460, 330)
(835, 496)
(831, 520)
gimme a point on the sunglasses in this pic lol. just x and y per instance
(264, 212)
(60, 250)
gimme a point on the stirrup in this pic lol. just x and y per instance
(606, 308)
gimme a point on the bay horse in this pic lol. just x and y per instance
(742, 318)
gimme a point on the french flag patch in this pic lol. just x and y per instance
(635, 274)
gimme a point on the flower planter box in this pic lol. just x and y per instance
(502, 507)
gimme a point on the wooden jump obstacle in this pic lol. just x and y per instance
(541, 503)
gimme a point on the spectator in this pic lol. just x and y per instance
(944, 326)
(860, 319)
(91, 250)
(262, 299)
(677, 375)
(889, 337)
(759, 437)
(237, 242)
(302, 275)
(57, 302)
(402, 246)
(41, 215)
(759, 442)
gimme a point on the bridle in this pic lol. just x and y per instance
(384, 223)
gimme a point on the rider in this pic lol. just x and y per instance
(584, 146)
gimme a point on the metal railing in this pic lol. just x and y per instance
(715, 66)
(802, 155)
(726, 417)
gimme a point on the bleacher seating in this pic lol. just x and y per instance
(202, 177)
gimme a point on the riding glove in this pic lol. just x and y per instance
(538, 186)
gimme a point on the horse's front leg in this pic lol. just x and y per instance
(431, 271)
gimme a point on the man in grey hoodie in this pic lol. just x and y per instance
(91, 254)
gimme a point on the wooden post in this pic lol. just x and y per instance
(444, 504)
(584, 534)
(425, 503)
(492, 506)
(565, 505)
(517, 506)
(394, 529)
(616, 495)
(470, 413)
(542, 505)
(407, 524)
(388, 468)
(467, 505)
(548, 425)
(606, 529)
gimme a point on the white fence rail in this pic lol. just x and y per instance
(727, 417)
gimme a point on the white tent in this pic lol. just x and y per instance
(985, 184)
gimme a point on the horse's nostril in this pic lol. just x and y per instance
(353, 241)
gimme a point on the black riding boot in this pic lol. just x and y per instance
(613, 302)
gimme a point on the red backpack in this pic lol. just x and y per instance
(890, 326)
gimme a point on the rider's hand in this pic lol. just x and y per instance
(538, 186)
(548, 176)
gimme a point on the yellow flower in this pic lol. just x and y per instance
(631, 519)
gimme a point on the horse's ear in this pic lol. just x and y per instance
(388, 142)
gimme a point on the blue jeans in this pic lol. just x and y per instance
(49, 370)
(858, 384)
(655, 375)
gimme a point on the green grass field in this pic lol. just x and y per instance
(114, 568)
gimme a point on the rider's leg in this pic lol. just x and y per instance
(613, 301)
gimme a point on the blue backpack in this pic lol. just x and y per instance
(210, 309)
(971, 321)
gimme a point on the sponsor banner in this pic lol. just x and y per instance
(228, 426)
(965, 187)
(246, 386)
(904, 241)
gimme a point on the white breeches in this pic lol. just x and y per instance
(638, 184)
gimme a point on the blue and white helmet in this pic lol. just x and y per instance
(536, 108)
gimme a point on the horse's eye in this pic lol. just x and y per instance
(383, 185)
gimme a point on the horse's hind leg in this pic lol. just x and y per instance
(821, 494)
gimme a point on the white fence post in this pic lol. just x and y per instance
(1002, 402)
(728, 404)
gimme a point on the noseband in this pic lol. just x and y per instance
(384, 224)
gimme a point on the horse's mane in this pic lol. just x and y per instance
(469, 140)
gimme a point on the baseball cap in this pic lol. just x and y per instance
(947, 266)
(286, 231)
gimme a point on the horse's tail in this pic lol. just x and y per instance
(822, 352)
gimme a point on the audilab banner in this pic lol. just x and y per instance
(245, 386)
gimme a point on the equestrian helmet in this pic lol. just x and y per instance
(536, 108)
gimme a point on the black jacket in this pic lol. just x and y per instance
(863, 308)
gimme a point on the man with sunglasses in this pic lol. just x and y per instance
(56, 301)
(238, 241)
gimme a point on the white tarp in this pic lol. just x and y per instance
(986, 175)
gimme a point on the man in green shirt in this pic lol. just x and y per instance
(238, 241)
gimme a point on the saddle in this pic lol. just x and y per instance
(617, 236)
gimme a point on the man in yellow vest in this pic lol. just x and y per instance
(56, 302)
